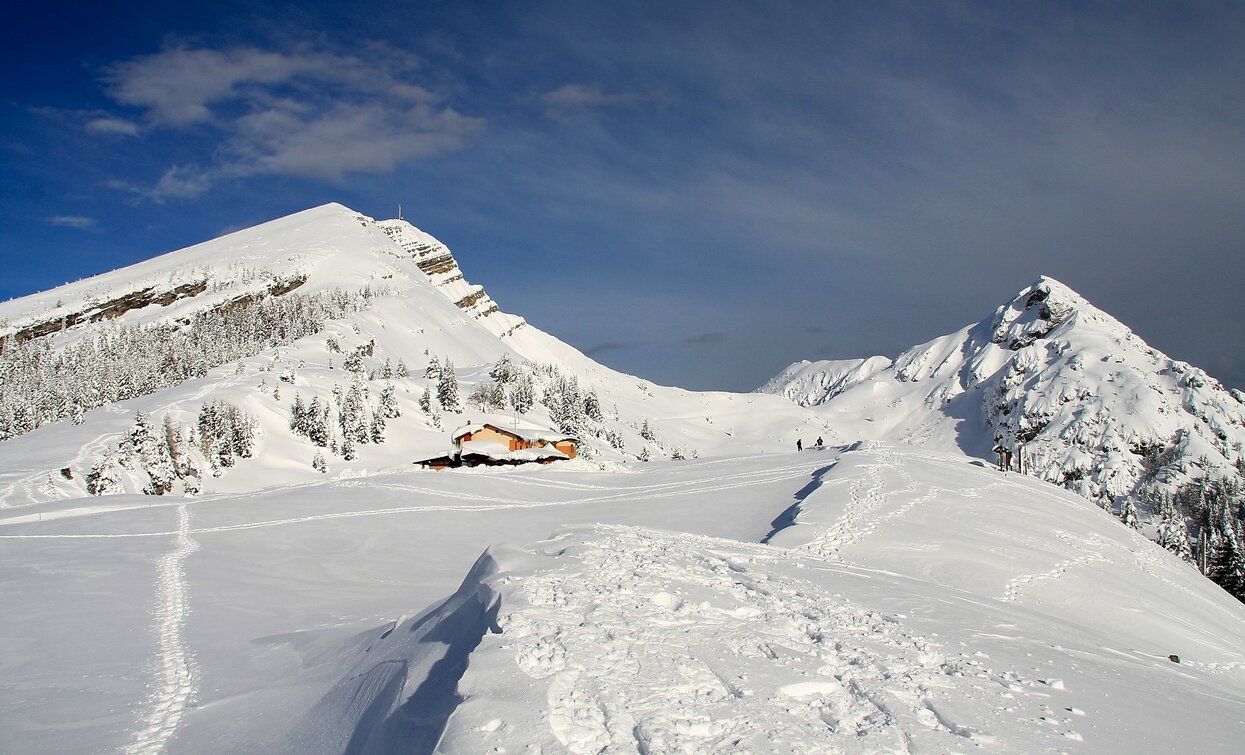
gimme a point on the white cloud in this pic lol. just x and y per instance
(72, 221)
(177, 86)
(591, 95)
(370, 138)
(118, 126)
(300, 113)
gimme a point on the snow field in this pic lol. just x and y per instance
(908, 600)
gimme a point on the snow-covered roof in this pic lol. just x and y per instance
(527, 433)
(497, 451)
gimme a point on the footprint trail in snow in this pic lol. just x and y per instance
(646, 641)
(176, 673)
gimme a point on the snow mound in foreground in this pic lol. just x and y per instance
(917, 602)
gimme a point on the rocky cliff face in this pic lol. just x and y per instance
(438, 263)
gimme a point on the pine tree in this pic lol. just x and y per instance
(352, 415)
(152, 455)
(1226, 567)
(104, 478)
(402, 372)
(318, 464)
(1128, 515)
(433, 370)
(646, 432)
(1173, 531)
(592, 406)
(298, 415)
(388, 406)
(425, 402)
(316, 422)
(523, 395)
(447, 387)
(504, 371)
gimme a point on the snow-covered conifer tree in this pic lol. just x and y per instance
(388, 403)
(447, 386)
(504, 371)
(104, 477)
(1173, 532)
(523, 395)
(592, 406)
(1128, 515)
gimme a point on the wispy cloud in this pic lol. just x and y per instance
(72, 221)
(297, 113)
(704, 339)
(592, 95)
(118, 126)
(608, 346)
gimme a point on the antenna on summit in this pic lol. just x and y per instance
(399, 210)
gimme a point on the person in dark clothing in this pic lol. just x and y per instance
(799, 444)
(820, 442)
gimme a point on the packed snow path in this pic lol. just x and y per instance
(647, 641)
(175, 669)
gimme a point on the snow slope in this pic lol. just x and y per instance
(814, 383)
(908, 600)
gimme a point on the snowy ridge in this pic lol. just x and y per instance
(813, 383)
(1090, 405)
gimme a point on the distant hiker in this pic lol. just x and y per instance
(820, 443)
(799, 444)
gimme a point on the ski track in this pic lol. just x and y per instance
(176, 672)
(494, 503)
(663, 642)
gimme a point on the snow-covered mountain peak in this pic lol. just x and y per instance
(1049, 376)
(1044, 310)
(296, 334)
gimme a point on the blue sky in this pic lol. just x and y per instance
(699, 193)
